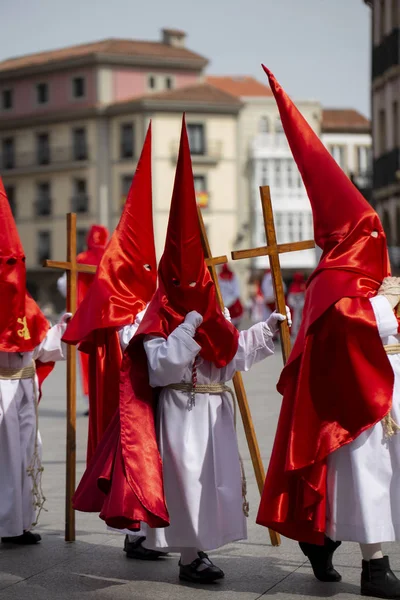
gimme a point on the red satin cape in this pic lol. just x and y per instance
(128, 449)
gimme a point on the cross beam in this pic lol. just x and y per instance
(273, 250)
(72, 267)
(237, 378)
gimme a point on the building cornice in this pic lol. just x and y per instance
(179, 106)
(33, 120)
(99, 59)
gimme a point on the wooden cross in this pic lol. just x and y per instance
(237, 379)
(273, 250)
(72, 268)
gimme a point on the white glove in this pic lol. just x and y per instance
(65, 318)
(276, 318)
(391, 289)
(194, 319)
(227, 314)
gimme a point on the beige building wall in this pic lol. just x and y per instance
(61, 173)
(219, 165)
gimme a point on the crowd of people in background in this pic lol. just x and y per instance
(261, 300)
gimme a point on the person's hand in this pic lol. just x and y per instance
(194, 319)
(227, 314)
(65, 318)
(276, 318)
(390, 288)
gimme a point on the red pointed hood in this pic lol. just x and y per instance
(354, 257)
(346, 227)
(184, 281)
(126, 278)
(338, 381)
(22, 324)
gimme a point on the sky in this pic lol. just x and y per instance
(317, 49)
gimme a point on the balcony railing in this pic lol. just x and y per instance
(212, 152)
(56, 156)
(387, 169)
(270, 141)
(387, 54)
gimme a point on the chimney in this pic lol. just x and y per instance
(173, 37)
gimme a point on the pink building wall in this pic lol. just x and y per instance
(60, 93)
(128, 83)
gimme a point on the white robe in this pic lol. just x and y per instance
(201, 468)
(17, 434)
(363, 483)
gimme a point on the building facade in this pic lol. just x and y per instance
(385, 96)
(72, 124)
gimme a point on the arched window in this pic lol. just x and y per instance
(264, 125)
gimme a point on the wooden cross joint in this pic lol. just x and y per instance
(273, 250)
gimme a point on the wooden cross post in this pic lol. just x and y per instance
(273, 250)
(237, 379)
(72, 268)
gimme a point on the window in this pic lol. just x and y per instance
(10, 191)
(78, 87)
(43, 148)
(126, 181)
(200, 186)
(279, 127)
(381, 132)
(264, 125)
(80, 200)
(265, 172)
(168, 83)
(196, 138)
(363, 159)
(396, 124)
(278, 172)
(81, 236)
(7, 99)
(382, 18)
(8, 153)
(291, 173)
(42, 93)
(43, 201)
(79, 144)
(127, 140)
(152, 82)
(395, 14)
(43, 246)
(338, 153)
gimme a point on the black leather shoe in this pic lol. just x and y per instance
(207, 574)
(137, 550)
(26, 539)
(320, 558)
(378, 579)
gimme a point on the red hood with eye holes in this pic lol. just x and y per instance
(338, 381)
(184, 282)
(22, 324)
(126, 278)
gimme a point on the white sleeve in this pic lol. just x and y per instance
(385, 317)
(52, 348)
(62, 285)
(168, 359)
(127, 332)
(125, 335)
(255, 344)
